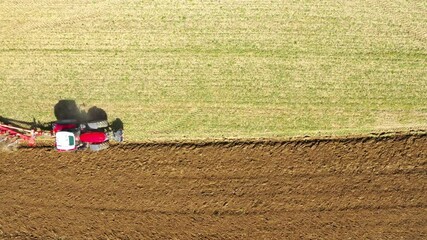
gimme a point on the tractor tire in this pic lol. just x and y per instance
(97, 125)
(99, 147)
(67, 110)
(96, 114)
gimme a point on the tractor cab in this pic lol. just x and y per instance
(65, 141)
(67, 135)
(71, 135)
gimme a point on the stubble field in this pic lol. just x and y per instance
(213, 69)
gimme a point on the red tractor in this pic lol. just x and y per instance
(73, 130)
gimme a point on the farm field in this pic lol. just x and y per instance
(220, 69)
(344, 188)
(244, 119)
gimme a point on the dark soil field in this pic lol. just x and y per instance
(351, 188)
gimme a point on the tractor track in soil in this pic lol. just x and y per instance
(361, 187)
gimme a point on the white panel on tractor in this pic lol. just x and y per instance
(65, 141)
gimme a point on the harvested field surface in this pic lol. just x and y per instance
(220, 69)
(338, 188)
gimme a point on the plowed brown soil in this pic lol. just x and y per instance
(353, 188)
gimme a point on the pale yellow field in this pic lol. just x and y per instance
(213, 69)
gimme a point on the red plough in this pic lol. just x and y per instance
(12, 134)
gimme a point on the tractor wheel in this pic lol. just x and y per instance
(96, 114)
(67, 110)
(98, 147)
(97, 125)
